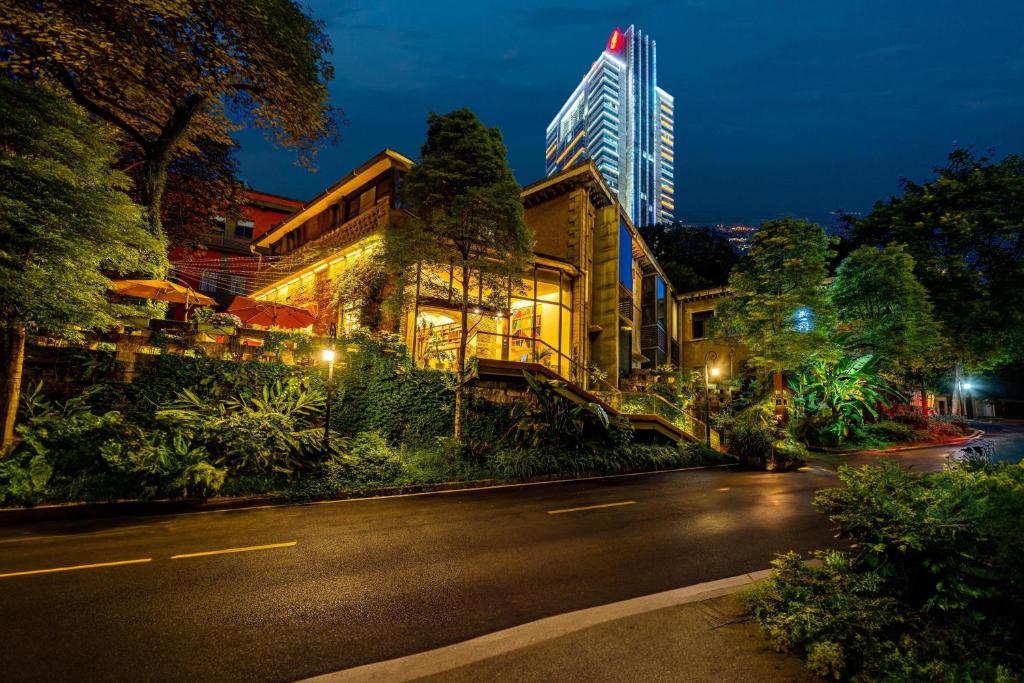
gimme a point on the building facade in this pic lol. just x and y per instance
(595, 296)
(620, 118)
(223, 266)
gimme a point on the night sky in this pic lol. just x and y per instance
(782, 107)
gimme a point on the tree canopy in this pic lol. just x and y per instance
(173, 75)
(779, 308)
(965, 231)
(693, 257)
(468, 217)
(65, 222)
(883, 310)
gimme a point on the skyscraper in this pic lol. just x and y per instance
(620, 118)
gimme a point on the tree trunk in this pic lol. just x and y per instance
(460, 361)
(954, 408)
(15, 348)
(152, 183)
(158, 155)
(924, 395)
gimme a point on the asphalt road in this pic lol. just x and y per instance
(323, 587)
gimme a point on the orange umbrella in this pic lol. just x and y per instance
(270, 314)
(160, 290)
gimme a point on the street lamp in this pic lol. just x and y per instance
(328, 357)
(708, 374)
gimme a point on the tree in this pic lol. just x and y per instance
(693, 257)
(172, 75)
(201, 186)
(469, 218)
(779, 308)
(884, 311)
(65, 221)
(965, 230)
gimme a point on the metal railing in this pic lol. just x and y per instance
(649, 403)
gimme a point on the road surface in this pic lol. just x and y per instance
(281, 593)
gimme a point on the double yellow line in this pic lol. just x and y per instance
(97, 565)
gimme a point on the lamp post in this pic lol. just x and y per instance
(964, 405)
(328, 356)
(708, 374)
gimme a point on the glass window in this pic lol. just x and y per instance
(244, 229)
(701, 324)
(625, 257)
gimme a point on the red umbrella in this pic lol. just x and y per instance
(270, 314)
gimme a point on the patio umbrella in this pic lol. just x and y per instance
(270, 314)
(161, 290)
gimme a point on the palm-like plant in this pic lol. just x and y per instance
(842, 392)
(555, 420)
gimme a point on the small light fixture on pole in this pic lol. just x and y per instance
(709, 372)
(328, 357)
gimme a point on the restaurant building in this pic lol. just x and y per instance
(595, 297)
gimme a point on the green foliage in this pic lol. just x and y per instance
(196, 70)
(67, 453)
(277, 430)
(883, 310)
(931, 588)
(693, 257)
(964, 229)
(835, 396)
(54, 163)
(207, 378)
(554, 421)
(779, 309)
(524, 463)
(469, 216)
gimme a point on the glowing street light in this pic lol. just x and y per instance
(709, 372)
(328, 356)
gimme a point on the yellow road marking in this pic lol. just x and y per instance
(592, 507)
(234, 550)
(77, 566)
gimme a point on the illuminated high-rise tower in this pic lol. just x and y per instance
(620, 118)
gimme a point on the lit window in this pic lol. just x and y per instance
(803, 319)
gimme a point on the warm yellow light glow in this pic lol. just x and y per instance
(714, 372)
(569, 146)
(328, 355)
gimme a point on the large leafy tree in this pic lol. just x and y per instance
(693, 257)
(965, 230)
(172, 75)
(201, 186)
(469, 218)
(65, 222)
(884, 311)
(779, 308)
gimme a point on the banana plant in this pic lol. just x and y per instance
(842, 392)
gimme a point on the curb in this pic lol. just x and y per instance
(916, 447)
(897, 449)
(508, 640)
(75, 511)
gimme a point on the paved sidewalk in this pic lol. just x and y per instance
(696, 633)
(710, 640)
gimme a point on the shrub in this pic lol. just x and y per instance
(79, 456)
(932, 587)
(274, 431)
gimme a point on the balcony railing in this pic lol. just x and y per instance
(625, 303)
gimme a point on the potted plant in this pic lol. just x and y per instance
(206, 320)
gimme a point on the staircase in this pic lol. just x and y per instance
(647, 413)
